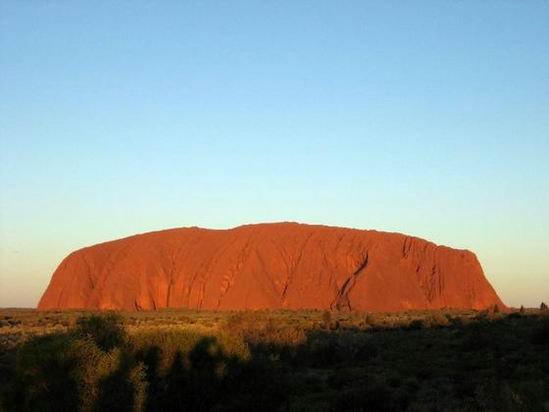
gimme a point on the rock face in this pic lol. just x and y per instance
(274, 266)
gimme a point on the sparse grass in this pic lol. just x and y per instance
(274, 360)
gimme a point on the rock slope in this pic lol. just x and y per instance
(269, 266)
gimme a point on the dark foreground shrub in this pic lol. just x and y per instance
(65, 373)
(121, 384)
(416, 324)
(107, 331)
(541, 332)
(368, 398)
(191, 372)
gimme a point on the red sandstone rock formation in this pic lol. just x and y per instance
(282, 265)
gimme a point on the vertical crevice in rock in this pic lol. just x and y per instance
(229, 278)
(342, 302)
(170, 280)
(292, 268)
(406, 247)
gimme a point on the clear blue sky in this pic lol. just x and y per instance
(426, 117)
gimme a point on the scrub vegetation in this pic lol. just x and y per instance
(274, 361)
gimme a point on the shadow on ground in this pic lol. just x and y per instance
(487, 364)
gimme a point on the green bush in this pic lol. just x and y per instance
(67, 373)
(121, 383)
(107, 331)
(259, 329)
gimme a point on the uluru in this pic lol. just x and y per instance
(270, 266)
